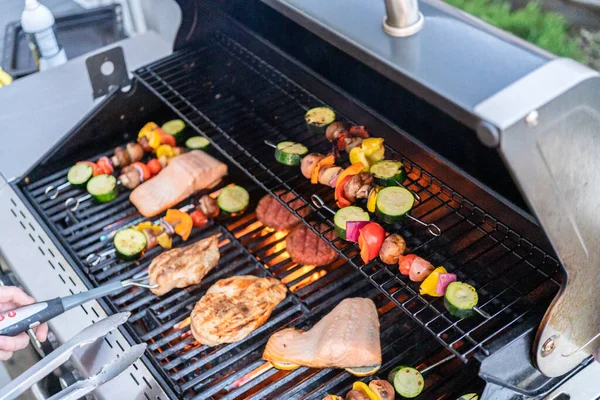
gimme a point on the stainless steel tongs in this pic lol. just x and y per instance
(28, 317)
(79, 389)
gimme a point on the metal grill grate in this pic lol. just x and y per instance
(237, 100)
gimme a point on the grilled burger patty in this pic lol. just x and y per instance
(305, 247)
(273, 214)
(234, 307)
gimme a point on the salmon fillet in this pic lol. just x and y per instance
(234, 307)
(184, 175)
(185, 266)
(346, 337)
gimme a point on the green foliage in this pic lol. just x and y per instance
(547, 30)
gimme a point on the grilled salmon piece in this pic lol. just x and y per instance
(185, 266)
(346, 337)
(234, 307)
(184, 175)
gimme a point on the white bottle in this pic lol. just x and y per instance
(38, 22)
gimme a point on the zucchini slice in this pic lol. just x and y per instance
(174, 128)
(290, 153)
(318, 119)
(343, 215)
(233, 199)
(408, 382)
(197, 143)
(129, 243)
(79, 174)
(103, 188)
(460, 299)
(393, 203)
(469, 396)
(388, 172)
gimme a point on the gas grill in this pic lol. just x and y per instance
(232, 86)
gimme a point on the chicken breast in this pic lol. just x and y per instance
(185, 266)
(346, 337)
(234, 307)
(184, 175)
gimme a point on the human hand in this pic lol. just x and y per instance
(12, 297)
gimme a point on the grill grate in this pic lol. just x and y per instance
(244, 101)
(237, 101)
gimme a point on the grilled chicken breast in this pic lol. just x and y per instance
(346, 337)
(184, 175)
(185, 266)
(234, 307)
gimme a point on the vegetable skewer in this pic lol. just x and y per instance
(408, 381)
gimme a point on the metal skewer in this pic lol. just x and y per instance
(73, 203)
(432, 366)
(57, 190)
(269, 143)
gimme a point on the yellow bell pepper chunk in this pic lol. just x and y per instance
(143, 225)
(165, 241)
(148, 128)
(164, 150)
(363, 387)
(372, 145)
(376, 156)
(357, 156)
(430, 283)
(372, 201)
(154, 139)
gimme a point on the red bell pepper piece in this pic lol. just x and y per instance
(370, 240)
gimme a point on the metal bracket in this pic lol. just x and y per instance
(107, 69)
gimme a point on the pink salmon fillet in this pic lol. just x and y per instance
(184, 175)
(346, 337)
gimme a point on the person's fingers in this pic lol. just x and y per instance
(41, 332)
(14, 343)
(5, 355)
(8, 306)
(15, 295)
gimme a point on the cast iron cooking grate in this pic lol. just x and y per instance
(233, 371)
(238, 101)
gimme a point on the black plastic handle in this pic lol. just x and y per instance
(22, 319)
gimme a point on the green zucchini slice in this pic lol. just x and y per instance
(469, 396)
(290, 153)
(460, 298)
(233, 199)
(318, 119)
(388, 172)
(79, 174)
(343, 215)
(174, 128)
(129, 243)
(103, 188)
(197, 143)
(408, 382)
(393, 203)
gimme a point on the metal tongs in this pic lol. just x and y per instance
(28, 317)
(59, 356)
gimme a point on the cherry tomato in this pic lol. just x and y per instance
(370, 239)
(405, 262)
(154, 166)
(105, 164)
(166, 138)
(198, 218)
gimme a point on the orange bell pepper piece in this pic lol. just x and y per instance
(181, 222)
(325, 162)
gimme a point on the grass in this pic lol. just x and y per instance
(548, 30)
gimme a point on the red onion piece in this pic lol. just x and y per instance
(443, 281)
(420, 269)
(333, 180)
(353, 228)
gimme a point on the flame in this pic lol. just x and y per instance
(251, 375)
(250, 228)
(308, 280)
(182, 324)
(297, 274)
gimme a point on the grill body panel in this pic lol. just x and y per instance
(232, 96)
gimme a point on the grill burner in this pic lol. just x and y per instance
(237, 100)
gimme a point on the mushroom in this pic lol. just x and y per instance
(121, 157)
(358, 187)
(392, 248)
(383, 389)
(208, 206)
(135, 152)
(130, 177)
(335, 129)
(309, 163)
(352, 142)
(356, 395)
(151, 241)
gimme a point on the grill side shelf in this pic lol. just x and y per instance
(236, 100)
